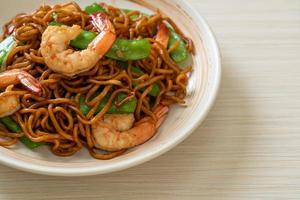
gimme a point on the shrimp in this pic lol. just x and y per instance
(9, 103)
(9, 100)
(118, 132)
(57, 56)
(162, 35)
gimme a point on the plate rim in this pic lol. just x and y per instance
(94, 170)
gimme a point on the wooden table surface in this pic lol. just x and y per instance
(249, 145)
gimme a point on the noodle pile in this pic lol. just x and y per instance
(55, 118)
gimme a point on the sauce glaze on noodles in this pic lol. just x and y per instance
(55, 118)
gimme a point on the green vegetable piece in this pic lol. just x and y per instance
(155, 88)
(122, 64)
(137, 71)
(154, 91)
(128, 107)
(125, 50)
(132, 17)
(94, 8)
(83, 40)
(10, 124)
(55, 23)
(5, 47)
(181, 53)
(122, 49)
(84, 108)
(30, 144)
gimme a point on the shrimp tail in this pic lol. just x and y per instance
(16, 76)
(30, 83)
(162, 35)
(161, 113)
(107, 33)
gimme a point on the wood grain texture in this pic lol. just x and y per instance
(248, 147)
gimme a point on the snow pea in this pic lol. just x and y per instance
(30, 144)
(118, 51)
(83, 40)
(125, 50)
(84, 108)
(55, 23)
(122, 49)
(181, 53)
(10, 124)
(125, 108)
(136, 70)
(5, 46)
(132, 17)
(94, 8)
(155, 88)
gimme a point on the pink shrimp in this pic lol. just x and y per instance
(162, 35)
(57, 56)
(117, 132)
(9, 101)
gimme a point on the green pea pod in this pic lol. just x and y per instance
(84, 108)
(55, 23)
(155, 89)
(83, 40)
(125, 50)
(94, 8)
(137, 71)
(30, 144)
(10, 124)
(122, 49)
(132, 17)
(126, 108)
(181, 53)
(5, 46)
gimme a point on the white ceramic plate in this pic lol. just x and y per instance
(203, 88)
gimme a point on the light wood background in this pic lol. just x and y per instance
(248, 147)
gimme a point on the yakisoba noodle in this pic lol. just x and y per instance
(55, 117)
